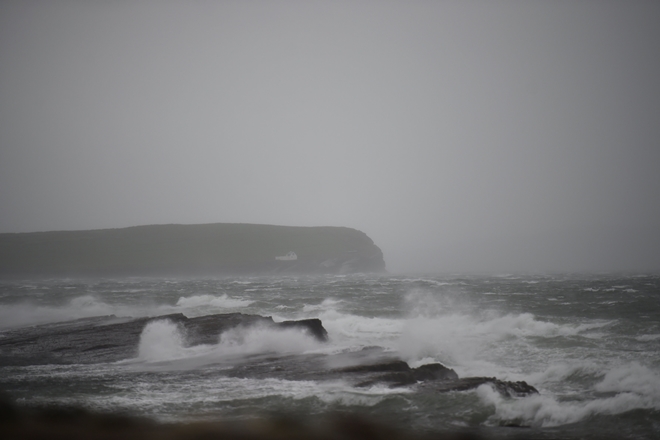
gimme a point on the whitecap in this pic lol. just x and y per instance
(326, 304)
(161, 340)
(635, 387)
(26, 313)
(205, 301)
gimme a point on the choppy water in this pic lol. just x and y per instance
(589, 344)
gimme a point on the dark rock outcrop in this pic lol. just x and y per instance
(110, 339)
(435, 376)
(398, 373)
(506, 388)
(313, 327)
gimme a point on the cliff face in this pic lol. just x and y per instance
(219, 248)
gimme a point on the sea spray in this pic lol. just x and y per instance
(28, 313)
(589, 347)
(207, 304)
(263, 339)
(623, 389)
(161, 340)
(164, 340)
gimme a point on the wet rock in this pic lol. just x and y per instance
(313, 327)
(110, 339)
(434, 372)
(398, 373)
(506, 388)
(436, 377)
(389, 366)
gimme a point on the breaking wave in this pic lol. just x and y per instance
(623, 389)
(214, 302)
(163, 340)
(477, 342)
(87, 306)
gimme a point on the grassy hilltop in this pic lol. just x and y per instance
(219, 248)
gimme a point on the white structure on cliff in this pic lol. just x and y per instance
(290, 256)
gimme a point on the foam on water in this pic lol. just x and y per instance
(208, 395)
(210, 303)
(327, 304)
(592, 352)
(568, 372)
(261, 339)
(163, 340)
(347, 330)
(26, 313)
(87, 306)
(622, 389)
(477, 341)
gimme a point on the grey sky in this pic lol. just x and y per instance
(460, 136)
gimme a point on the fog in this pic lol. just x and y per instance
(460, 136)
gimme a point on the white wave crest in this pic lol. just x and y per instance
(161, 340)
(461, 335)
(263, 339)
(636, 387)
(216, 302)
(326, 304)
(26, 314)
(347, 330)
(563, 372)
(634, 378)
(473, 341)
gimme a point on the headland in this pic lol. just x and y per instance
(189, 250)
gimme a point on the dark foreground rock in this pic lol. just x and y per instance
(70, 423)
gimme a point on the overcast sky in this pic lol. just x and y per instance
(459, 135)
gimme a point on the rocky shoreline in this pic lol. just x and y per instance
(107, 339)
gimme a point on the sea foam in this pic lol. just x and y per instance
(204, 302)
(85, 306)
(161, 340)
(164, 340)
(634, 387)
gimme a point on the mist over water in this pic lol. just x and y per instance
(460, 136)
(472, 137)
(589, 344)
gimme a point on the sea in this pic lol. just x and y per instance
(589, 343)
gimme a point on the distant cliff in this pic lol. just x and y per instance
(219, 248)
